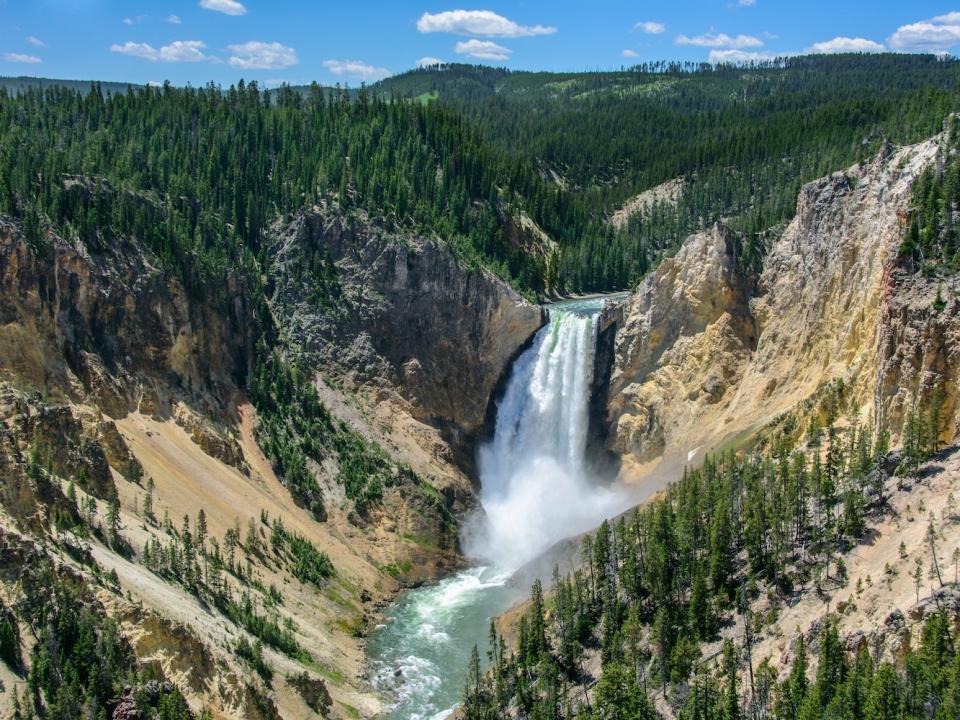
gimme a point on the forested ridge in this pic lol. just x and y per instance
(657, 587)
(743, 139)
(197, 174)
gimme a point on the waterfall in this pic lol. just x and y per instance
(535, 490)
(535, 486)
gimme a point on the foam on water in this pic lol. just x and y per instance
(421, 653)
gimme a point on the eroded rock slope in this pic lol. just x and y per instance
(123, 415)
(408, 320)
(705, 353)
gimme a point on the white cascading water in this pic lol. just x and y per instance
(534, 480)
(535, 491)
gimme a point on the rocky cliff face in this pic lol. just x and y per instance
(918, 348)
(687, 332)
(118, 387)
(114, 330)
(704, 355)
(405, 318)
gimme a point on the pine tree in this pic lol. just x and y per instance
(475, 706)
(701, 613)
(252, 541)
(931, 538)
(731, 700)
(793, 693)
(148, 502)
(201, 532)
(91, 511)
(113, 519)
(17, 710)
(883, 703)
(721, 559)
(538, 629)
(618, 697)
(832, 665)
(917, 576)
(663, 639)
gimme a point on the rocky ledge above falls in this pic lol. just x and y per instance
(678, 343)
(398, 315)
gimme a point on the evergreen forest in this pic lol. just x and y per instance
(663, 608)
(198, 174)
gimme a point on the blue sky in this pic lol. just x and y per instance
(272, 41)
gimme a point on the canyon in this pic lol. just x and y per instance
(121, 384)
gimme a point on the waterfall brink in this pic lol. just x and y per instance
(535, 487)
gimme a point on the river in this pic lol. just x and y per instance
(535, 491)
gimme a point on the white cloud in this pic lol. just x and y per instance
(846, 45)
(628, 53)
(21, 58)
(128, 21)
(482, 50)
(177, 51)
(650, 27)
(174, 19)
(356, 69)
(746, 3)
(429, 62)
(478, 22)
(227, 7)
(738, 56)
(256, 55)
(721, 40)
(940, 33)
(35, 41)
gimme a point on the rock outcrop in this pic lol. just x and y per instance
(704, 355)
(667, 193)
(113, 330)
(918, 349)
(688, 332)
(407, 318)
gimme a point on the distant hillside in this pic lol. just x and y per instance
(17, 85)
(743, 139)
(570, 150)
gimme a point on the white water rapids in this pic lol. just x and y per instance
(535, 490)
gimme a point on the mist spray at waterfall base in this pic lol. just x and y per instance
(536, 490)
